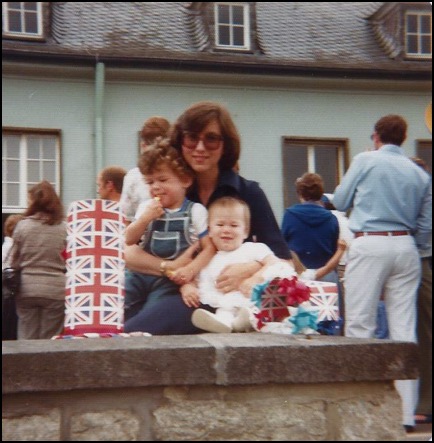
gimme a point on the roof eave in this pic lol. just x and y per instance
(228, 64)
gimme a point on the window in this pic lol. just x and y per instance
(22, 19)
(28, 156)
(424, 151)
(326, 157)
(418, 34)
(232, 26)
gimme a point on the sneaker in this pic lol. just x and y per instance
(207, 321)
(241, 322)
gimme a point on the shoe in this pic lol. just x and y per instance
(207, 321)
(409, 429)
(241, 322)
(422, 419)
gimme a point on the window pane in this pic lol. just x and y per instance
(12, 170)
(12, 144)
(425, 24)
(426, 45)
(223, 14)
(238, 36)
(30, 6)
(13, 194)
(15, 22)
(49, 149)
(238, 15)
(14, 5)
(411, 23)
(33, 148)
(295, 165)
(224, 35)
(33, 171)
(412, 44)
(49, 171)
(326, 166)
(31, 23)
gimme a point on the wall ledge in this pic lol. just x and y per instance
(205, 359)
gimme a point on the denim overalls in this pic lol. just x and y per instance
(169, 236)
(166, 237)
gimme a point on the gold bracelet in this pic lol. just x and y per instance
(163, 266)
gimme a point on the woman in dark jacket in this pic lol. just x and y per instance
(207, 138)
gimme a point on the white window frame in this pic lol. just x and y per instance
(231, 25)
(418, 34)
(22, 180)
(6, 22)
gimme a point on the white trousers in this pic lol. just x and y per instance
(390, 266)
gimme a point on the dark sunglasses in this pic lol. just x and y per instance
(210, 141)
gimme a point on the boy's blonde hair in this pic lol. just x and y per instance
(11, 222)
(161, 153)
(231, 202)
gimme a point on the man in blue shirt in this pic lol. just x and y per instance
(391, 201)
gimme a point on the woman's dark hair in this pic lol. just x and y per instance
(45, 203)
(310, 186)
(197, 117)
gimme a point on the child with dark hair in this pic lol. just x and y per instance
(165, 226)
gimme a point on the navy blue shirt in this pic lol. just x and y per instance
(264, 227)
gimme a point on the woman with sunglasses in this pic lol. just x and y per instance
(207, 138)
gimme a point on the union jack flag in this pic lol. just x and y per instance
(324, 296)
(273, 305)
(95, 266)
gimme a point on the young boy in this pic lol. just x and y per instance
(228, 224)
(166, 225)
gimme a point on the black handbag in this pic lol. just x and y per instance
(11, 281)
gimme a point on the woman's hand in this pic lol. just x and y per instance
(190, 295)
(232, 276)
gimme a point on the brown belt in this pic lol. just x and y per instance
(384, 233)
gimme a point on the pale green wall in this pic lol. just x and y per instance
(68, 106)
(263, 115)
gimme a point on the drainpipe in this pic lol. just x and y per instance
(99, 101)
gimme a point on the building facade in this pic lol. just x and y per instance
(304, 82)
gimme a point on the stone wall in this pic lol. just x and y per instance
(209, 387)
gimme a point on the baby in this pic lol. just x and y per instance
(228, 227)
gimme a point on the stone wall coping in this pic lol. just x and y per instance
(205, 359)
